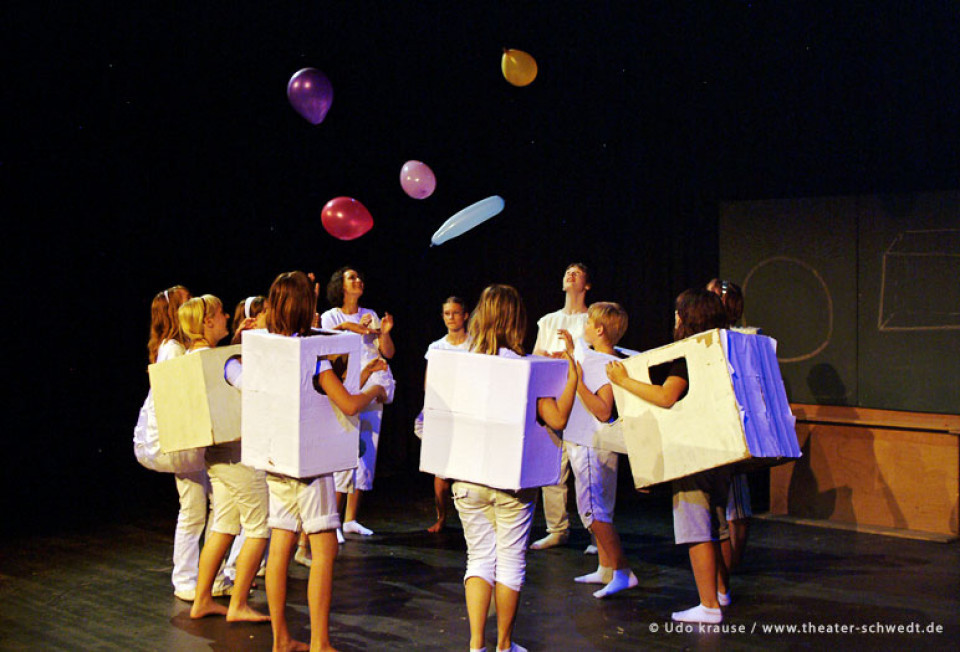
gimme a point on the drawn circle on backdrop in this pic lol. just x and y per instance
(773, 275)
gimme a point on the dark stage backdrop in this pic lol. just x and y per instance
(861, 293)
(146, 145)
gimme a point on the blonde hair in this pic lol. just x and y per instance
(612, 317)
(498, 321)
(192, 315)
(164, 324)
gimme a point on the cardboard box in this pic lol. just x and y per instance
(195, 405)
(289, 427)
(480, 419)
(735, 410)
(608, 437)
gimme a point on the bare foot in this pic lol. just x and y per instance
(437, 527)
(291, 645)
(247, 614)
(202, 608)
(323, 648)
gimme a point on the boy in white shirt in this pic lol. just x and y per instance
(573, 317)
(594, 469)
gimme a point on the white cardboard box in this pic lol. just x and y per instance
(736, 409)
(194, 403)
(480, 419)
(289, 426)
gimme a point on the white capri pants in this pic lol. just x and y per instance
(496, 525)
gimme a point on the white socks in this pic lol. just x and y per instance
(513, 648)
(622, 580)
(723, 599)
(698, 614)
(600, 576)
(352, 527)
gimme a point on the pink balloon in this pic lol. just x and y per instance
(345, 218)
(417, 179)
(311, 94)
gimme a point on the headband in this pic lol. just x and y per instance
(246, 306)
(166, 296)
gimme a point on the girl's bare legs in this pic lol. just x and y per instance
(278, 563)
(211, 557)
(248, 563)
(478, 594)
(441, 489)
(507, 602)
(323, 546)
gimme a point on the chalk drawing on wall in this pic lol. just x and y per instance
(781, 268)
(920, 282)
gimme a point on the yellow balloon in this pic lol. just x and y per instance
(519, 68)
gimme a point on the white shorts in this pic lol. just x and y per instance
(240, 496)
(595, 479)
(310, 503)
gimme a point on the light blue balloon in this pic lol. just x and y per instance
(468, 218)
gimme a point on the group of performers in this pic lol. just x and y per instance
(290, 512)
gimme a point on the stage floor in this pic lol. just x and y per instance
(401, 589)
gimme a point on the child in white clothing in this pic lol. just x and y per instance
(308, 503)
(496, 523)
(344, 290)
(595, 470)
(240, 492)
(573, 316)
(167, 342)
(455, 315)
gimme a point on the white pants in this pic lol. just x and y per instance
(194, 489)
(496, 525)
(555, 499)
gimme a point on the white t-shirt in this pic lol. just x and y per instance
(369, 352)
(549, 324)
(582, 424)
(443, 345)
(335, 316)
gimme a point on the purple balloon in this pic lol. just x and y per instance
(310, 94)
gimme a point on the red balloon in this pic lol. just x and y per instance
(345, 218)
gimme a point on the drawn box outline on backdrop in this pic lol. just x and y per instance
(883, 324)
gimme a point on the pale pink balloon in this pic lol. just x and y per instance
(417, 179)
(345, 218)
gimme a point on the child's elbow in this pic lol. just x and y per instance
(351, 410)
